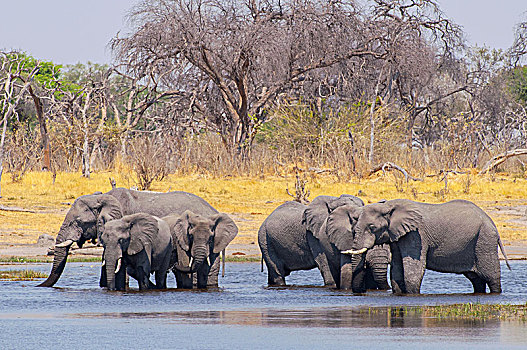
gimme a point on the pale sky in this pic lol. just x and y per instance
(72, 31)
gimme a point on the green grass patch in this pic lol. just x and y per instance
(467, 311)
(21, 275)
(242, 258)
(25, 260)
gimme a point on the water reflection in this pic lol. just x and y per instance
(378, 317)
(244, 313)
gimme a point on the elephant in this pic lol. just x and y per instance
(141, 244)
(456, 237)
(293, 237)
(371, 272)
(87, 216)
(198, 241)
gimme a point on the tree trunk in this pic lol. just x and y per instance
(46, 159)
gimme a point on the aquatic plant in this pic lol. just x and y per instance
(21, 275)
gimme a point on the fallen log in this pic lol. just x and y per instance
(388, 166)
(16, 209)
(500, 158)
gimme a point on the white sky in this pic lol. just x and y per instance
(72, 31)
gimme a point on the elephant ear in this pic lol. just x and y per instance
(404, 216)
(340, 224)
(143, 230)
(224, 231)
(180, 230)
(314, 216)
(110, 209)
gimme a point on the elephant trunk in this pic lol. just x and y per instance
(69, 232)
(380, 275)
(59, 262)
(110, 274)
(358, 274)
(199, 255)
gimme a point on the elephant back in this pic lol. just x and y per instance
(284, 222)
(161, 204)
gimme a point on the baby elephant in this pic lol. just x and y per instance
(198, 241)
(139, 244)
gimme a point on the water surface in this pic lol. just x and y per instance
(244, 313)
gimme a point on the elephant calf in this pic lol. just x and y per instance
(141, 244)
(198, 241)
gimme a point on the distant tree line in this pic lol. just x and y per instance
(248, 86)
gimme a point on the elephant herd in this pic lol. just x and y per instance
(352, 244)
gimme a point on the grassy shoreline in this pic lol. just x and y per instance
(465, 311)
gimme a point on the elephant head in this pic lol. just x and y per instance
(83, 222)
(127, 236)
(318, 210)
(340, 225)
(340, 230)
(385, 222)
(199, 236)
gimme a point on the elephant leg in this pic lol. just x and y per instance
(396, 270)
(120, 276)
(413, 274)
(161, 273)
(369, 281)
(183, 280)
(322, 261)
(213, 271)
(275, 269)
(346, 272)
(202, 276)
(477, 282)
(413, 255)
(487, 261)
(103, 281)
(161, 279)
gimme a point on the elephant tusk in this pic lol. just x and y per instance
(354, 252)
(208, 260)
(118, 265)
(190, 263)
(103, 263)
(66, 243)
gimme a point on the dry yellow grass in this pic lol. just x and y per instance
(250, 200)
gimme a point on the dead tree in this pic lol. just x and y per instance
(15, 80)
(500, 158)
(231, 60)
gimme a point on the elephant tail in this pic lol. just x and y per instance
(223, 263)
(503, 252)
(261, 262)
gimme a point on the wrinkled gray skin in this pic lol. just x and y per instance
(198, 241)
(141, 244)
(356, 273)
(90, 212)
(456, 237)
(293, 237)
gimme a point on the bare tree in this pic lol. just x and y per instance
(15, 79)
(231, 60)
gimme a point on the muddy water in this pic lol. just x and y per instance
(244, 314)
